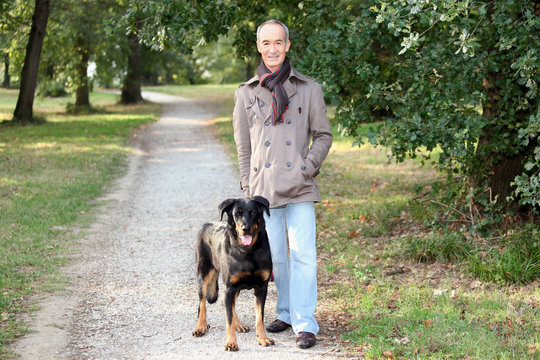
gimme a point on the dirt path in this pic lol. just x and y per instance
(132, 291)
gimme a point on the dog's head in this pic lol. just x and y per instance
(245, 217)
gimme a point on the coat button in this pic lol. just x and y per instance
(288, 142)
(303, 167)
(267, 165)
(288, 121)
(251, 101)
(261, 103)
(267, 143)
(267, 122)
(255, 169)
(289, 164)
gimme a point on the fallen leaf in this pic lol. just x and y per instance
(403, 341)
(353, 234)
(388, 354)
(428, 323)
(439, 292)
(362, 218)
(533, 349)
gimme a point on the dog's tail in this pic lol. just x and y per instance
(212, 290)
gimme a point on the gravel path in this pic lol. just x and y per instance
(132, 291)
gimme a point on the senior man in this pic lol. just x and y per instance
(282, 136)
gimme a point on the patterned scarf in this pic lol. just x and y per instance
(273, 81)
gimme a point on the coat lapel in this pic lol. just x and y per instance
(260, 94)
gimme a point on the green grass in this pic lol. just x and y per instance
(50, 176)
(513, 259)
(420, 322)
(441, 246)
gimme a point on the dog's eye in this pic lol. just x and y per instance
(251, 213)
(238, 213)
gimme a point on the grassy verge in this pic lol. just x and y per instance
(50, 176)
(392, 288)
(405, 291)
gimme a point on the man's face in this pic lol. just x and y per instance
(272, 46)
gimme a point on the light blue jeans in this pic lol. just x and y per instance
(295, 275)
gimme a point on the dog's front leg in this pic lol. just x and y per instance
(230, 300)
(260, 299)
(236, 323)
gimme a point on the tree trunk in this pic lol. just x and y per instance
(7, 81)
(23, 110)
(501, 169)
(131, 91)
(499, 166)
(82, 98)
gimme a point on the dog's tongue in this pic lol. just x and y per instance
(246, 240)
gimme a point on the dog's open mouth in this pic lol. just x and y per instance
(246, 240)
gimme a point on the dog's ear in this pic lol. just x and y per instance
(265, 204)
(226, 207)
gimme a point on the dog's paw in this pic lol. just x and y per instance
(201, 330)
(241, 328)
(231, 347)
(266, 341)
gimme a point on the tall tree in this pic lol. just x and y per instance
(15, 19)
(4, 50)
(131, 90)
(82, 94)
(24, 108)
(459, 78)
(6, 82)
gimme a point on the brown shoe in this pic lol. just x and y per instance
(305, 340)
(277, 326)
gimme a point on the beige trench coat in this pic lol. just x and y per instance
(281, 162)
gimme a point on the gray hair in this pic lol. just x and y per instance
(273, 21)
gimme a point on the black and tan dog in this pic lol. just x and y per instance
(240, 251)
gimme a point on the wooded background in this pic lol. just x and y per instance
(454, 82)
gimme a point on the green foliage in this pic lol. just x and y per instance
(444, 75)
(52, 88)
(527, 185)
(177, 25)
(15, 21)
